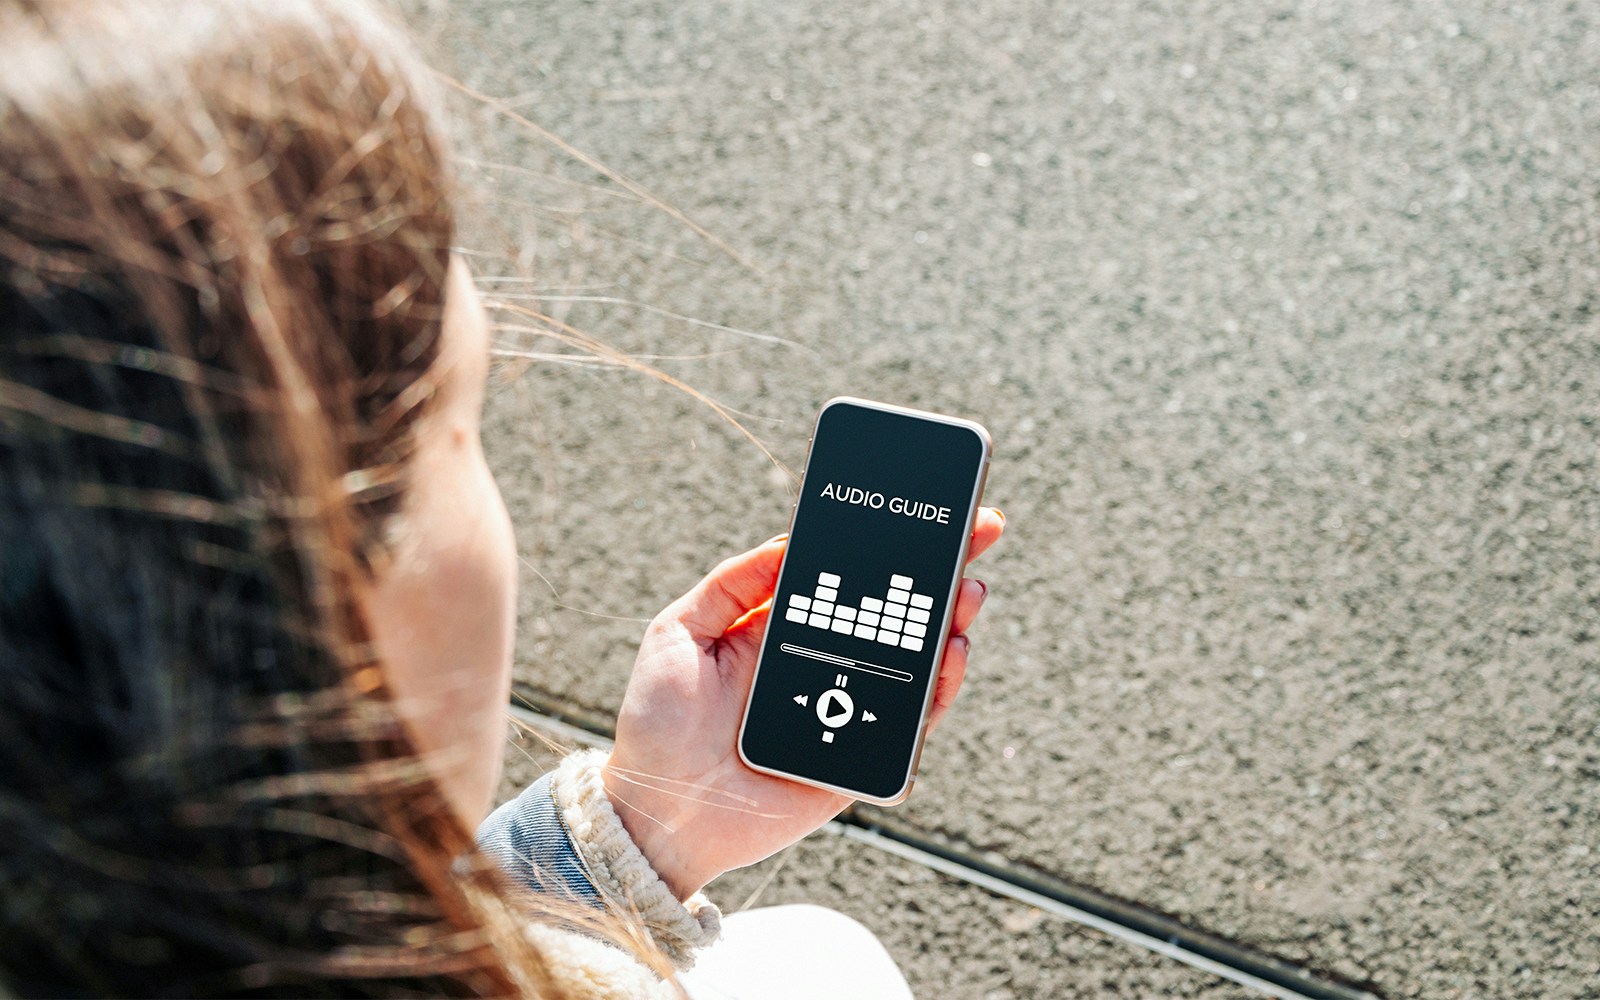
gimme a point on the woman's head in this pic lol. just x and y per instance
(238, 469)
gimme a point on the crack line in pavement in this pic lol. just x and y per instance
(1129, 923)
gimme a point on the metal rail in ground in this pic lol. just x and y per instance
(1143, 928)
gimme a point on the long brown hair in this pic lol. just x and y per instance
(224, 235)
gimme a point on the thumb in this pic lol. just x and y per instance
(731, 590)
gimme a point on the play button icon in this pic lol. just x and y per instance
(834, 708)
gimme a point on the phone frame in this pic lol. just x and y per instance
(944, 626)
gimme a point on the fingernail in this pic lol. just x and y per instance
(780, 536)
(966, 644)
(985, 595)
(1001, 513)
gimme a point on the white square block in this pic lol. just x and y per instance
(871, 604)
(898, 610)
(822, 607)
(912, 643)
(827, 737)
(868, 618)
(921, 601)
(892, 624)
(866, 632)
(898, 596)
(903, 582)
(841, 626)
(819, 621)
(918, 615)
(888, 638)
(795, 615)
(848, 614)
(799, 601)
(827, 594)
(916, 629)
(828, 579)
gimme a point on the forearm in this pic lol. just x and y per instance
(563, 836)
(528, 839)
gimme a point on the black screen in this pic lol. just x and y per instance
(858, 619)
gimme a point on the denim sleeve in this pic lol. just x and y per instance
(527, 837)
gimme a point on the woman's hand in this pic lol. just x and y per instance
(677, 782)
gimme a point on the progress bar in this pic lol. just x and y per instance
(845, 661)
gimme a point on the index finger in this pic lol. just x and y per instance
(986, 531)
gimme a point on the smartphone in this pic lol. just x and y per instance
(877, 543)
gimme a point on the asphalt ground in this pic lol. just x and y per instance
(948, 938)
(1283, 317)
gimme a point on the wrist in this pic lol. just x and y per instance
(650, 820)
(625, 879)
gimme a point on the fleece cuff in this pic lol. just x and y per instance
(620, 871)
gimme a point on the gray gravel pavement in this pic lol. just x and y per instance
(950, 939)
(1283, 316)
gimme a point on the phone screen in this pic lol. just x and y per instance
(864, 598)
